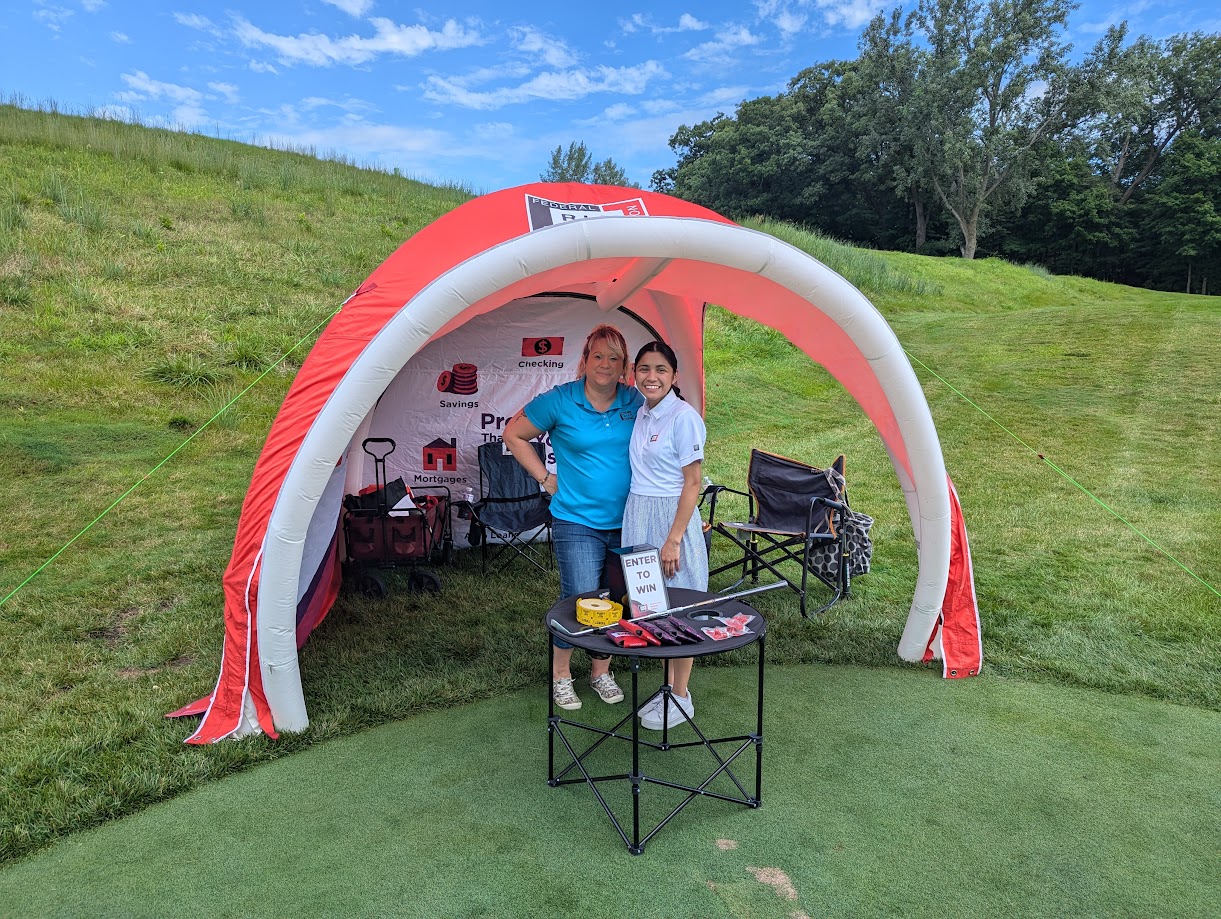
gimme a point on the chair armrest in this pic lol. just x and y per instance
(714, 491)
(827, 502)
(832, 508)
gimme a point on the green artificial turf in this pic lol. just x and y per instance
(886, 792)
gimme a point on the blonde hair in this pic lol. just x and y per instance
(614, 340)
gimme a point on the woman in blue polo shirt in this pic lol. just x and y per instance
(667, 453)
(590, 422)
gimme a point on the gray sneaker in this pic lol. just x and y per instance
(564, 695)
(650, 716)
(607, 689)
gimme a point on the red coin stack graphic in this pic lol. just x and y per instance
(463, 380)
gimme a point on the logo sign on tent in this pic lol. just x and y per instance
(544, 213)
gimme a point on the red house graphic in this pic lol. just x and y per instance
(441, 455)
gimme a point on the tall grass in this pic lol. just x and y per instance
(865, 269)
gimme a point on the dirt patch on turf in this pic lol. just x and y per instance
(777, 880)
(726, 844)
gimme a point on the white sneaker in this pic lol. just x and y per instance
(564, 695)
(650, 715)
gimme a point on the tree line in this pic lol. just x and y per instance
(964, 127)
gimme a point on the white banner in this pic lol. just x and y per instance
(459, 391)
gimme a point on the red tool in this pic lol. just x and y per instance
(626, 640)
(634, 629)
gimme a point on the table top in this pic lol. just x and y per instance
(565, 612)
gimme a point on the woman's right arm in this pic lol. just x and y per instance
(518, 435)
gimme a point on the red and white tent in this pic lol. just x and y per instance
(509, 277)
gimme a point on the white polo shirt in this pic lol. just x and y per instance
(664, 440)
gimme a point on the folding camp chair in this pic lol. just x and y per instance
(510, 511)
(795, 515)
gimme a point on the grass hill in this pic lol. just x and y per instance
(157, 291)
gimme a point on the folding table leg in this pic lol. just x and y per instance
(635, 848)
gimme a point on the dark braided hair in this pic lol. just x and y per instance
(660, 347)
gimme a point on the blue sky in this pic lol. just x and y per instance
(468, 91)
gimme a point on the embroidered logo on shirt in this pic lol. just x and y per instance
(653, 439)
(629, 415)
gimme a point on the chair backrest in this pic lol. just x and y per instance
(509, 498)
(783, 487)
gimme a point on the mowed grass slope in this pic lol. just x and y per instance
(148, 278)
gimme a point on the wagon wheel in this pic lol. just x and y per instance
(371, 586)
(424, 581)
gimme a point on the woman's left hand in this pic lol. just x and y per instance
(670, 555)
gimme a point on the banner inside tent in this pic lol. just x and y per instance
(460, 390)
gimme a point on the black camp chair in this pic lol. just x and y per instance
(511, 511)
(795, 515)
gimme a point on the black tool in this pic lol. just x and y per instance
(664, 635)
(693, 635)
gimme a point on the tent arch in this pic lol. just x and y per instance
(662, 265)
(486, 278)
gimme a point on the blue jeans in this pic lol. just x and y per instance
(583, 555)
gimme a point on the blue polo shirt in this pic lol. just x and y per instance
(590, 452)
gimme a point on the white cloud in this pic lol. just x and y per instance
(228, 90)
(790, 16)
(850, 13)
(351, 7)
(322, 50)
(617, 112)
(92, 6)
(187, 116)
(553, 52)
(492, 131)
(659, 106)
(144, 87)
(194, 21)
(348, 105)
(120, 38)
(511, 71)
(789, 23)
(53, 17)
(723, 96)
(555, 86)
(718, 50)
(644, 22)
(260, 67)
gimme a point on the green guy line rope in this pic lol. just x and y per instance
(176, 450)
(1110, 510)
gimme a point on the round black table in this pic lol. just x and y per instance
(563, 614)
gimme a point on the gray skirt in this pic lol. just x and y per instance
(647, 521)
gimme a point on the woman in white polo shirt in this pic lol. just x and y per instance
(667, 452)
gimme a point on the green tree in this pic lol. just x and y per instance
(573, 165)
(1159, 90)
(891, 126)
(576, 165)
(993, 81)
(608, 172)
(1180, 215)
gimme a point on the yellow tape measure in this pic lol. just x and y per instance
(597, 613)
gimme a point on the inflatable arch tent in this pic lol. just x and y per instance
(537, 266)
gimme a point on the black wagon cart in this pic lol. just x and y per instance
(389, 525)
